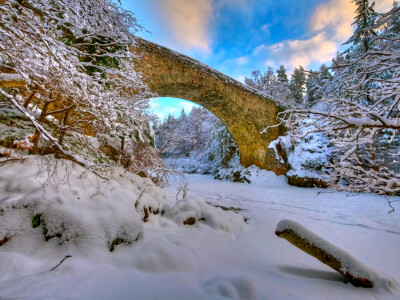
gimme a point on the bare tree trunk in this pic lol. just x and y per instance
(66, 154)
(63, 129)
(29, 99)
(119, 162)
(37, 132)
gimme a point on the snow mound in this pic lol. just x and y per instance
(231, 288)
(194, 211)
(158, 255)
(54, 201)
(262, 177)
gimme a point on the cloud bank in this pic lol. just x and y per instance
(188, 22)
(329, 27)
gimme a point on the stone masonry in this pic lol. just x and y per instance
(243, 110)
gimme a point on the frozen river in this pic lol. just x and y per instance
(220, 256)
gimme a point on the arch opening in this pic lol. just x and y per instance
(191, 138)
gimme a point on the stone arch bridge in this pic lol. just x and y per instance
(243, 110)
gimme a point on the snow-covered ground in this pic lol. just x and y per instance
(222, 260)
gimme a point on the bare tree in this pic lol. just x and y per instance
(72, 60)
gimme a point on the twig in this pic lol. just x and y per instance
(67, 256)
(390, 204)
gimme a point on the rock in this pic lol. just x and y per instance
(110, 152)
(5, 240)
(189, 221)
(142, 174)
(307, 182)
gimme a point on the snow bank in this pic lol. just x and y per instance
(54, 201)
(50, 203)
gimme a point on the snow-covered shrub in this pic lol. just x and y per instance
(61, 203)
(136, 157)
(233, 171)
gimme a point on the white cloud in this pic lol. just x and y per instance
(383, 5)
(188, 21)
(242, 60)
(334, 17)
(330, 26)
(187, 106)
(294, 53)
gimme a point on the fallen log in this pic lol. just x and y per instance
(356, 272)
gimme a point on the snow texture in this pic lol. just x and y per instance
(67, 206)
(176, 261)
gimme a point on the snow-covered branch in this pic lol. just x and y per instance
(361, 112)
(70, 60)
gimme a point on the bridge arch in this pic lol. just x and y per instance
(244, 111)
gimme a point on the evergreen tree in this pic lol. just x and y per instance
(365, 18)
(271, 85)
(317, 85)
(393, 26)
(282, 77)
(297, 84)
(183, 117)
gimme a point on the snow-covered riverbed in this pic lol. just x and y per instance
(198, 262)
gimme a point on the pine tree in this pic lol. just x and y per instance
(297, 84)
(317, 85)
(365, 18)
(282, 77)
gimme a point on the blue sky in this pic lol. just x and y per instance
(239, 36)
